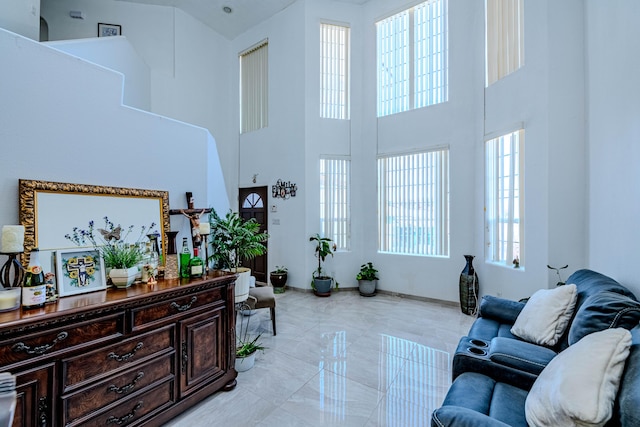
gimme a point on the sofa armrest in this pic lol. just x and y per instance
(520, 355)
(503, 310)
(458, 416)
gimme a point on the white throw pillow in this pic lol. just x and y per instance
(579, 386)
(546, 315)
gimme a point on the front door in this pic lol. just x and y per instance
(253, 204)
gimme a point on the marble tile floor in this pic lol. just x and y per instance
(345, 360)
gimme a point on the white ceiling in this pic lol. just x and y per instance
(246, 13)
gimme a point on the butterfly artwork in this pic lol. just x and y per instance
(113, 234)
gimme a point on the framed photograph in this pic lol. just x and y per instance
(107, 30)
(80, 271)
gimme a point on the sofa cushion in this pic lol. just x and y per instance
(601, 311)
(520, 355)
(546, 315)
(481, 396)
(579, 386)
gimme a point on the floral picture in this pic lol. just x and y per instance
(80, 271)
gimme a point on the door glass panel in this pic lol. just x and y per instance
(253, 200)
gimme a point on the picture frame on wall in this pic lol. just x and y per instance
(80, 271)
(109, 30)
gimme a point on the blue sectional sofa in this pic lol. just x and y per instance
(494, 370)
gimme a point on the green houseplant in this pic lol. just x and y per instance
(321, 282)
(246, 353)
(278, 278)
(234, 241)
(121, 255)
(367, 279)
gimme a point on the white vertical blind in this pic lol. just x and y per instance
(334, 71)
(504, 26)
(254, 88)
(335, 201)
(413, 203)
(505, 198)
(412, 55)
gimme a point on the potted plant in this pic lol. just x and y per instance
(121, 256)
(246, 353)
(367, 280)
(322, 283)
(278, 279)
(233, 241)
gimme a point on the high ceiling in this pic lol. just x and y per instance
(244, 13)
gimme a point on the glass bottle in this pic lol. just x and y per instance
(196, 265)
(146, 263)
(34, 289)
(185, 257)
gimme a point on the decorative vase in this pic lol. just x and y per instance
(278, 281)
(245, 363)
(469, 287)
(323, 286)
(242, 284)
(367, 288)
(171, 242)
(123, 277)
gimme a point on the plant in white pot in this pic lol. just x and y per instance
(233, 241)
(121, 255)
(246, 353)
(367, 279)
(321, 282)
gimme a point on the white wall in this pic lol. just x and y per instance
(21, 17)
(188, 63)
(613, 129)
(69, 125)
(115, 53)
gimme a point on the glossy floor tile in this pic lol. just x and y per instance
(345, 360)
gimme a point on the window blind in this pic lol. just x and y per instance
(335, 203)
(254, 88)
(334, 71)
(504, 22)
(413, 203)
(505, 198)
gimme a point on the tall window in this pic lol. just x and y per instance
(504, 195)
(334, 71)
(254, 88)
(335, 203)
(504, 37)
(413, 203)
(412, 58)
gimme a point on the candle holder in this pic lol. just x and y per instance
(12, 269)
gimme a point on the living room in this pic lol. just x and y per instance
(575, 96)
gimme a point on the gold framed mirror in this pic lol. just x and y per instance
(50, 210)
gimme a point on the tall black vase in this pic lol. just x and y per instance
(469, 287)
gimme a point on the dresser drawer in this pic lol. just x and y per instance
(56, 340)
(134, 409)
(151, 315)
(78, 371)
(94, 398)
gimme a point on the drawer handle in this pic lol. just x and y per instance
(125, 418)
(126, 388)
(126, 356)
(40, 349)
(185, 307)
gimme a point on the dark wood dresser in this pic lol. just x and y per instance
(134, 356)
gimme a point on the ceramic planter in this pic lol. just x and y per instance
(367, 288)
(242, 284)
(123, 277)
(278, 281)
(245, 363)
(323, 286)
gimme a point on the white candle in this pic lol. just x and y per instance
(12, 238)
(9, 298)
(205, 228)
